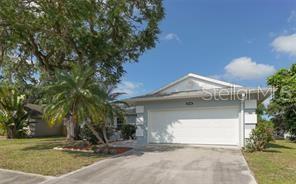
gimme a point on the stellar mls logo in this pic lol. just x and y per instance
(237, 93)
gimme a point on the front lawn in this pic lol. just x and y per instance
(276, 165)
(37, 156)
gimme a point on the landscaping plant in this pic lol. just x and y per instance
(13, 116)
(80, 97)
(260, 136)
(283, 104)
(86, 134)
(128, 131)
(72, 97)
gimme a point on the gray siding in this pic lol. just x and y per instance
(131, 119)
(39, 128)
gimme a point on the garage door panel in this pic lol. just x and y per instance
(194, 126)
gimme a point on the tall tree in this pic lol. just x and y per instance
(283, 104)
(54, 34)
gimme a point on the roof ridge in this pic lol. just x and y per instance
(197, 77)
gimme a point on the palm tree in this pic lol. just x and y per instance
(112, 107)
(80, 97)
(13, 116)
(75, 96)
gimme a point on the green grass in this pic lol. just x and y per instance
(275, 165)
(37, 156)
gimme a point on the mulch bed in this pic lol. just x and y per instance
(112, 150)
(95, 149)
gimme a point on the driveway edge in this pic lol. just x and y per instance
(89, 166)
(250, 171)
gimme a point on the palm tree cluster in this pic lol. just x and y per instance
(78, 97)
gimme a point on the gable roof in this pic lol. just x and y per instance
(226, 89)
(199, 77)
(253, 93)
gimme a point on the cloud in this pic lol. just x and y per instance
(172, 36)
(246, 69)
(250, 41)
(292, 17)
(272, 34)
(285, 44)
(129, 88)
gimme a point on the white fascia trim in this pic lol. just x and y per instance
(226, 84)
(184, 96)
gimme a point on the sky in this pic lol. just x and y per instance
(239, 41)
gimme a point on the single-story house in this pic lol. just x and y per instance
(198, 110)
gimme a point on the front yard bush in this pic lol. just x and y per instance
(86, 134)
(2, 132)
(128, 131)
(260, 136)
(13, 116)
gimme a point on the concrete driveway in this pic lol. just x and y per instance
(166, 165)
(15, 177)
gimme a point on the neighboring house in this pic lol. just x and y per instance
(38, 127)
(197, 110)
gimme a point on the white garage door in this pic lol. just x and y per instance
(194, 126)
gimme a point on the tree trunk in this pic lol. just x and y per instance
(93, 130)
(105, 136)
(77, 132)
(70, 129)
(10, 134)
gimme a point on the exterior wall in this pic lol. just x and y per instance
(143, 108)
(131, 119)
(39, 128)
(250, 116)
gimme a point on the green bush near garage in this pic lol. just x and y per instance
(260, 136)
(128, 131)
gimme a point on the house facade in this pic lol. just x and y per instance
(197, 110)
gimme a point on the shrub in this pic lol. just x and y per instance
(86, 134)
(13, 115)
(2, 132)
(260, 136)
(128, 131)
(290, 137)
